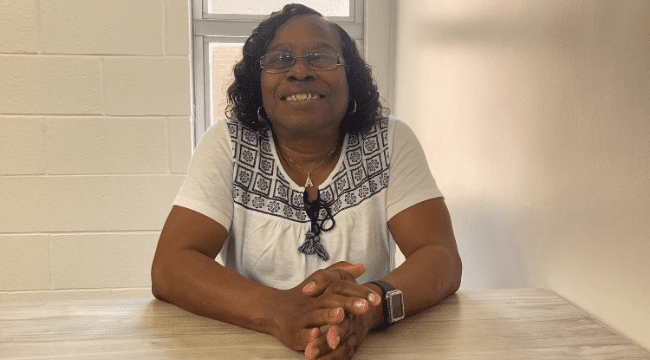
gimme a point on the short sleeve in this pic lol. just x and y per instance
(410, 181)
(207, 188)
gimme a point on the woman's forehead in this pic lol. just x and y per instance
(305, 33)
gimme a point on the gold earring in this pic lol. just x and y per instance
(259, 117)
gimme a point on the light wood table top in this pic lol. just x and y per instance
(493, 324)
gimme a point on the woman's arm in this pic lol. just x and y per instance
(184, 273)
(433, 268)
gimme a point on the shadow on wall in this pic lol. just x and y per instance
(486, 237)
(504, 25)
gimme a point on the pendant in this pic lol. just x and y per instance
(308, 183)
(312, 246)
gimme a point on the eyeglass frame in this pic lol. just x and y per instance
(340, 61)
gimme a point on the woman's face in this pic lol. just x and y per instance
(323, 113)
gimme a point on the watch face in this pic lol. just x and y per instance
(396, 305)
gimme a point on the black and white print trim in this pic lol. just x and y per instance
(258, 183)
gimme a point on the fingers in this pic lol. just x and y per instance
(309, 335)
(325, 316)
(338, 342)
(326, 343)
(334, 311)
(350, 304)
(304, 315)
(311, 350)
(334, 334)
(320, 279)
(355, 270)
(349, 342)
(352, 298)
(355, 298)
(306, 336)
(355, 306)
(313, 334)
(344, 351)
(354, 290)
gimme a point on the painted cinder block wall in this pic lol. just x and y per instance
(94, 140)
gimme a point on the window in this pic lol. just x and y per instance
(221, 27)
(338, 8)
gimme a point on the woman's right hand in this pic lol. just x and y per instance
(342, 339)
(299, 314)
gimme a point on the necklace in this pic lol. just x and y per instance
(308, 182)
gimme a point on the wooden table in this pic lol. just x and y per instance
(496, 324)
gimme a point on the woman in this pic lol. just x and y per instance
(302, 191)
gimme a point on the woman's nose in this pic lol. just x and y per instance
(300, 70)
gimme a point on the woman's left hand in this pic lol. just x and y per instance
(341, 340)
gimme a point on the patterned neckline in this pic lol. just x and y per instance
(337, 168)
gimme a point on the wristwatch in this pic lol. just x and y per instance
(393, 303)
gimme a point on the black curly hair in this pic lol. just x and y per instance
(245, 93)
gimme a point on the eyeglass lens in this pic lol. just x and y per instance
(284, 61)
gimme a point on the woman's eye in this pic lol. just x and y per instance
(315, 56)
(285, 57)
(276, 60)
(321, 60)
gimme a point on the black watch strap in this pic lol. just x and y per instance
(386, 288)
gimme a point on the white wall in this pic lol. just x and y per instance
(94, 139)
(535, 117)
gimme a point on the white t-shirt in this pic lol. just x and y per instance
(236, 179)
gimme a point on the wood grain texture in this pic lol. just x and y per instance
(493, 324)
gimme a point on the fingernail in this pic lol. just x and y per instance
(361, 304)
(335, 342)
(309, 287)
(311, 352)
(374, 298)
(314, 333)
(335, 313)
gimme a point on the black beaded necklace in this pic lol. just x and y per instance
(315, 209)
(318, 212)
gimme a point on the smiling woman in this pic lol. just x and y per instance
(220, 26)
(304, 109)
(306, 120)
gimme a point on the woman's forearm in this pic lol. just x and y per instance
(428, 276)
(185, 274)
(198, 284)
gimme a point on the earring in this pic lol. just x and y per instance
(355, 107)
(259, 117)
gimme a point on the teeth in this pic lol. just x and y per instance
(302, 97)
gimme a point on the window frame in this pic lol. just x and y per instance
(208, 28)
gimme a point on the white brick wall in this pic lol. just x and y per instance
(102, 27)
(50, 84)
(146, 86)
(94, 142)
(19, 32)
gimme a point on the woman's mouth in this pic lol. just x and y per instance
(303, 97)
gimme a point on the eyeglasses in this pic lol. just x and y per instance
(277, 62)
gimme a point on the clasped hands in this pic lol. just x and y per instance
(332, 300)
